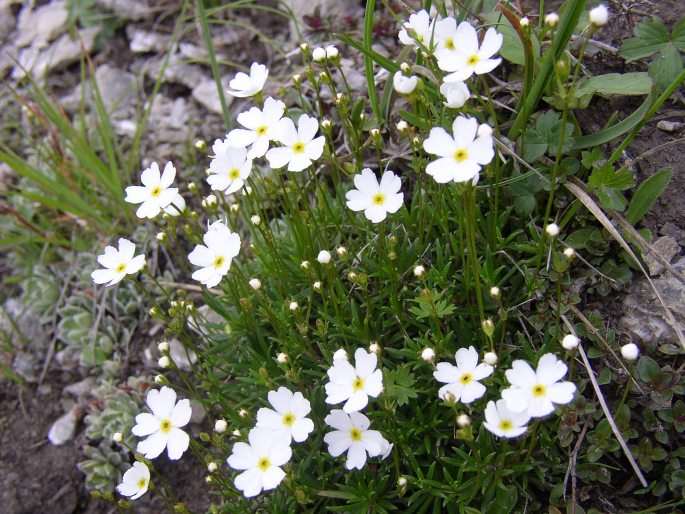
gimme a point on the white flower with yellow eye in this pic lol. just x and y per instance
(470, 57)
(300, 147)
(155, 194)
(352, 435)
(215, 258)
(229, 170)
(261, 127)
(503, 422)
(135, 481)
(375, 198)
(462, 380)
(243, 85)
(288, 416)
(354, 384)
(118, 263)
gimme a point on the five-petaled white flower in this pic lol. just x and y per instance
(230, 169)
(300, 146)
(215, 258)
(288, 419)
(244, 85)
(352, 435)
(135, 481)
(461, 156)
(447, 38)
(503, 422)
(456, 94)
(155, 193)
(418, 30)
(375, 198)
(536, 391)
(163, 426)
(261, 460)
(462, 380)
(261, 127)
(469, 57)
(118, 263)
(354, 384)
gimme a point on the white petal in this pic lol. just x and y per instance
(177, 443)
(356, 456)
(357, 201)
(550, 369)
(272, 477)
(446, 373)
(299, 162)
(365, 362)
(307, 128)
(249, 482)
(279, 157)
(102, 276)
(373, 384)
(243, 457)
(301, 429)
(466, 358)
(180, 416)
(339, 420)
(146, 424)
(472, 391)
(439, 143)
(561, 393)
(280, 452)
(521, 374)
(137, 194)
(356, 402)
(153, 445)
(492, 42)
(338, 442)
(161, 401)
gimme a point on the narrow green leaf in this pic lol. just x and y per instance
(646, 195)
(368, 61)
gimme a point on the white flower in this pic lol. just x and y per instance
(375, 198)
(354, 384)
(418, 29)
(428, 354)
(470, 58)
(447, 38)
(261, 460)
(135, 481)
(293, 306)
(599, 15)
(118, 263)
(229, 170)
(244, 85)
(324, 257)
(403, 84)
(537, 391)
(155, 193)
(352, 435)
(463, 379)
(261, 127)
(461, 156)
(215, 258)
(570, 342)
(340, 353)
(288, 417)
(163, 426)
(630, 352)
(456, 94)
(300, 147)
(503, 422)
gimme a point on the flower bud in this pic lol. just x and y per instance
(524, 22)
(235, 208)
(428, 354)
(305, 265)
(323, 77)
(488, 327)
(236, 433)
(317, 286)
(282, 358)
(463, 420)
(419, 271)
(211, 201)
(160, 380)
(164, 362)
(212, 467)
(552, 230)
(318, 54)
(247, 191)
(405, 67)
(243, 413)
(495, 292)
(552, 20)
(351, 276)
(449, 398)
(293, 306)
(402, 482)
(484, 130)
(220, 426)
(402, 126)
(161, 237)
(375, 348)
(117, 437)
(374, 132)
(599, 16)
(324, 257)
(570, 342)
(569, 253)
(340, 354)
(341, 251)
(153, 312)
(255, 284)
(255, 220)
(304, 47)
(332, 52)
(192, 187)
(490, 358)
(297, 79)
(340, 99)
(326, 124)
(163, 347)
(630, 352)
(392, 256)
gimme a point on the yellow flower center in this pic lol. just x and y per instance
(505, 425)
(356, 434)
(466, 378)
(154, 193)
(378, 199)
(262, 130)
(234, 174)
(120, 268)
(449, 44)
(289, 419)
(142, 483)
(461, 155)
(219, 261)
(165, 426)
(264, 463)
(298, 148)
(539, 390)
(473, 60)
(358, 384)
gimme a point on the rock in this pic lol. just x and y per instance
(38, 27)
(7, 22)
(117, 88)
(207, 95)
(143, 41)
(355, 78)
(644, 316)
(673, 230)
(81, 390)
(198, 414)
(670, 126)
(64, 428)
(184, 360)
(26, 365)
(177, 71)
(8, 54)
(666, 247)
(134, 10)
(21, 328)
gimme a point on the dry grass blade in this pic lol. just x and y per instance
(610, 419)
(579, 192)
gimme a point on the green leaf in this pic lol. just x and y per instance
(637, 83)
(547, 134)
(650, 37)
(399, 385)
(524, 205)
(678, 34)
(647, 369)
(512, 46)
(611, 199)
(646, 195)
(666, 67)
(607, 177)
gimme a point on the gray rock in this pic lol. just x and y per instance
(64, 428)
(143, 41)
(670, 126)
(40, 26)
(7, 22)
(8, 54)
(134, 10)
(184, 360)
(666, 247)
(117, 89)
(26, 365)
(81, 390)
(206, 94)
(176, 72)
(644, 316)
(199, 412)
(22, 328)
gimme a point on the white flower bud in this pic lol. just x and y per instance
(599, 16)
(236, 433)
(402, 126)
(192, 187)
(255, 220)
(490, 358)
(293, 306)
(318, 54)
(164, 362)
(340, 354)
(326, 124)
(552, 20)
(159, 380)
(404, 85)
(375, 348)
(209, 479)
(220, 426)
(405, 67)
(630, 351)
(362, 116)
(212, 467)
(570, 342)
(255, 284)
(304, 47)
(341, 251)
(322, 76)
(484, 130)
(163, 347)
(200, 145)
(297, 78)
(243, 413)
(324, 257)
(463, 420)
(247, 191)
(235, 208)
(161, 237)
(524, 22)
(419, 271)
(282, 358)
(456, 94)
(317, 286)
(449, 398)
(569, 253)
(552, 230)
(117, 437)
(211, 201)
(495, 292)
(374, 132)
(428, 354)
(332, 52)
(402, 482)
(305, 265)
